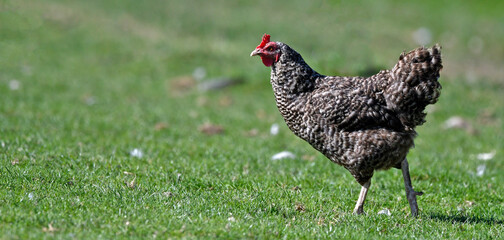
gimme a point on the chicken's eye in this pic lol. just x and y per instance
(270, 49)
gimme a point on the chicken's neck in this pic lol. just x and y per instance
(291, 76)
(292, 81)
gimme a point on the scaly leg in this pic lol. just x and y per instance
(359, 207)
(410, 193)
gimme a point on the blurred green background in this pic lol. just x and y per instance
(85, 83)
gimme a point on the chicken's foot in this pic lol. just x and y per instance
(359, 207)
(410, 193)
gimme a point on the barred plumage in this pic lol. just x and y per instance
(362, 124)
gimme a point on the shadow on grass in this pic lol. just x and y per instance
(465, 219)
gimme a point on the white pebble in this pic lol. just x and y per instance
(199, 73)
(14, 84)
(455, 122)
(385, 211)
(486, 156)
(282, 155)
(90, 100)
(422, 36)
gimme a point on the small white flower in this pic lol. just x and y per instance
(30, 196)
(274, 129)
(480, 170)
(136, 153)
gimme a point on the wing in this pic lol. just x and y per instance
(351, 104)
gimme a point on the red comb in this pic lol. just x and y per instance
(265, 39)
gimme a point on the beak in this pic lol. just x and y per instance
(257, 51)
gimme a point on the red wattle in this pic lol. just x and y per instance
(267, 61)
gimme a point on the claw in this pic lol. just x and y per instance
(359, 207)
(410, 193)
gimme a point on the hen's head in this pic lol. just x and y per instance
(268, 51)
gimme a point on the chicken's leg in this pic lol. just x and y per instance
(410, 193)
(359, 207)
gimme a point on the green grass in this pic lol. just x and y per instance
(96, 77)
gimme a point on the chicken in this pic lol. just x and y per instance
(362, 124)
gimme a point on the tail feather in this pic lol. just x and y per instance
(415, 84)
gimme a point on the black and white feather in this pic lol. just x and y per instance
(362, 124)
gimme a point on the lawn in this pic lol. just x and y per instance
(105, 131)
